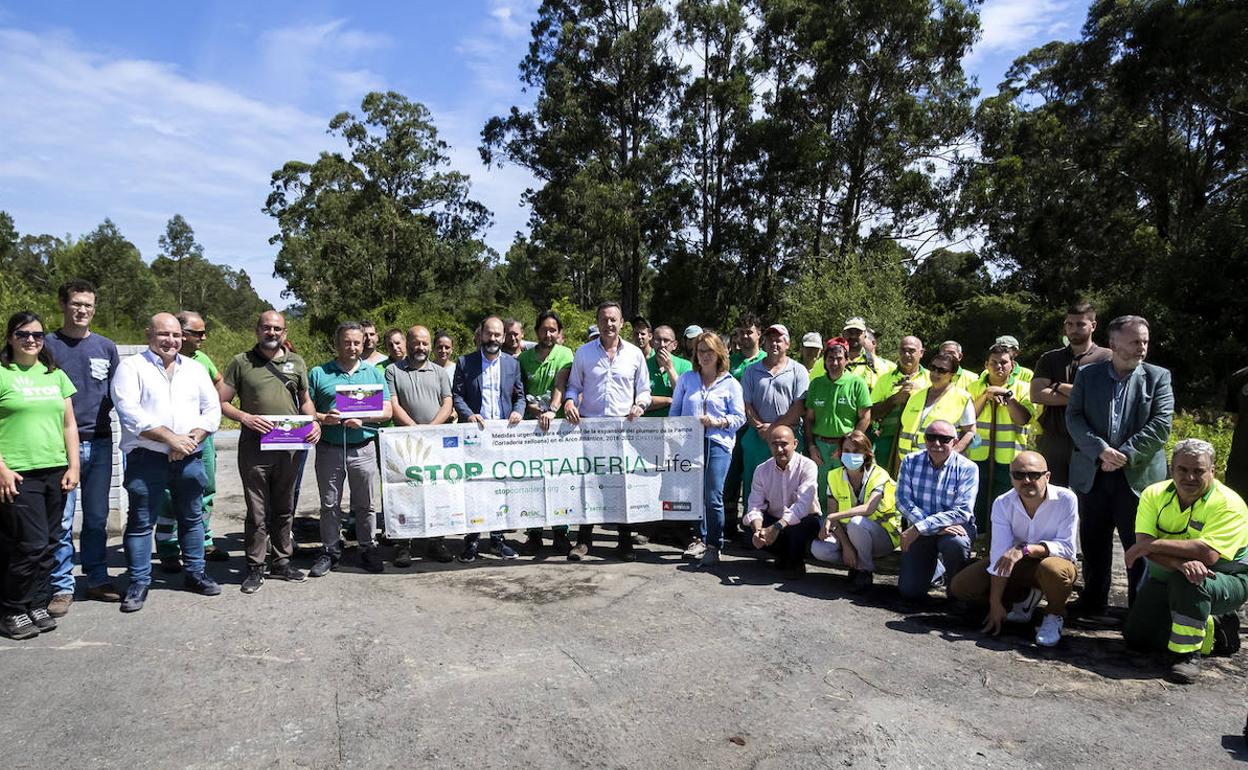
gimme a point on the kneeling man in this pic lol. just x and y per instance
(784, 511)
(1193, 530)
(1031, 554)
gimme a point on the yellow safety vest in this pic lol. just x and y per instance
(1010, 439)
(886, 513)
(948, 407)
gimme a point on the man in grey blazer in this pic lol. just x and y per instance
(488, 386)
(1119, 418)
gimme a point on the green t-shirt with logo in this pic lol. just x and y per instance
(539, 375)
(660, 385)
(737, 363)
(836, 403)
(32, 416)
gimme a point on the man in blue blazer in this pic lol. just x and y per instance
(488, 386)
(1119, 418)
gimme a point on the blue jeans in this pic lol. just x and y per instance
(148, 476)
(718, 457)
(96, 476)
(918, 564)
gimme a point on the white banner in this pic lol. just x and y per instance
(452, 479)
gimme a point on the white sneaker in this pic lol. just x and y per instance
(1050, 631)
(710, 557)
(1022, 611)
(695, 550)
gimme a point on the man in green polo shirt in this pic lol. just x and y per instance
(837, 404)
(749, 335)
(347, 452)
(194, 333)
(1193, 529)
(269, 381)
(665, 368)
(545, 368)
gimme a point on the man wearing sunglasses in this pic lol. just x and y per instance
(1031, 554)
(1193, 531)
(936, 496)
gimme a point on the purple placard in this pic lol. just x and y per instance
(360, 400)
(289, 432)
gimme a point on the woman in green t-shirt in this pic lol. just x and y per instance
(38, 466)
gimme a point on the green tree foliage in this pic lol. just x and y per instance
(386, 221)
(1116, 164)
(128, 289)
(214, 291)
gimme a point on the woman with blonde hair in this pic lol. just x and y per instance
(711, 394)
(862, 522)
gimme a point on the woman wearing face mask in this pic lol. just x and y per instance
(862, 522)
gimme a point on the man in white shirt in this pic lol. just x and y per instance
(609, 378)
(1031, 555)
(167, 406)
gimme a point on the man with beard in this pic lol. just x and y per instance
(1119, 417)
(420, 394)
(487, 386)
(546, 368)
(267, 380)
(1055, 377)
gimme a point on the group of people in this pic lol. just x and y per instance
(841, 457)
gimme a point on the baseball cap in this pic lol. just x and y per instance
(1009, 340)
(692, 331)
(780, 329)
(593, 331)
(812, 340)
(857, 322)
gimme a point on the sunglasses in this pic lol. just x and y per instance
(938, 370)
(196, 334)
(933, 438)
(22, 334)
(1027, 475)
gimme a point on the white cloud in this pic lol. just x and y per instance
(1017, 25)
(297, 60)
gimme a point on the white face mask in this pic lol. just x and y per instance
(852, 460)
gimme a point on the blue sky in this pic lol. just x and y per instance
(140, 110)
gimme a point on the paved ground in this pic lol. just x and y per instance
(600, 664)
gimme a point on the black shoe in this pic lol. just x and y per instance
(625, 552)
(18, 626)
(42, 620)
(437, 550)
(371, 560)
(403, 556)
(1084, 608)
(136, 594)
(170, 565)
(532, 545)
(200, 583)
(254, 579)
(861, 581)
(1184, 668)
(469, 554)
(1226, 634)
(321, 567)
(213, 553)
(284, 571)
(499, 547)
(561, 543)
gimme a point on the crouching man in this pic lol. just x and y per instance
(1193, 530)
(1031, 553)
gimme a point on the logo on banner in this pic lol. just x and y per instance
(450, 442)
(503, 510)
(472, 441)
(676, 505)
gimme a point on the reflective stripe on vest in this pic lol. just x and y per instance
(948, 408)
(1010, 439)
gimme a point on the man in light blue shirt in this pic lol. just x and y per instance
(609, 379)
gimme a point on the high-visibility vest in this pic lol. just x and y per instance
(1010, 438)
(948, 407)
(886, 513)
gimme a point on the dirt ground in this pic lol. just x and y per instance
(546, 663)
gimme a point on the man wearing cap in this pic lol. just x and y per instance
(863, 362)
(665, 367)
(812, 347)
(1021, 373)
(936, 496)
(775, 394)
(888, 397)
(961, 378)
(837, 403)
(591, 333)
(691, 335)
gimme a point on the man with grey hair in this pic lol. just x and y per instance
(961, 378)
(1193, 532)
(1119, 416)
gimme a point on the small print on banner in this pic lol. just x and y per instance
(290, 432)
(365, 400)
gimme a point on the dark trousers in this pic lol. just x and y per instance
(732, 489)
(30, 531)
(270, 486)
(586, 535)
(1057, 450)
(1109, 505)
(793, 543)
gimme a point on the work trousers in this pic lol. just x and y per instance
(270, 485)
(985, 496)
(1109, 505)
(30, 531)
(1057, 450)
(828, 447)
(869, 539)
(793, 542)
(920, 562)
(1053, 575)
(1171, 613)
(337, 467)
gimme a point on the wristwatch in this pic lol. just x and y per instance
(1026, 552)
